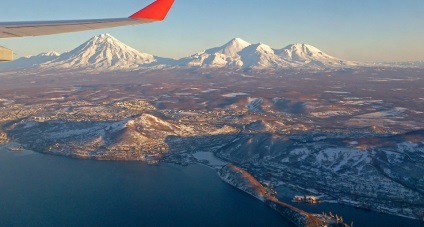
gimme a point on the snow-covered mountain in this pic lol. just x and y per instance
(30, 61)
(261, 56)
(223, 56)
(307, 55)
(240, 54)
(101, 53)
(105, 53)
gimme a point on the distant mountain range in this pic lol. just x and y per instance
(106, 53)
(30, 61)
(240, 54)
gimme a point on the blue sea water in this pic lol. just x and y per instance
(43, 190)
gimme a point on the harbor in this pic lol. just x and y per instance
(363, 217)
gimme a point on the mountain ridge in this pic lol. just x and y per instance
(106, 53)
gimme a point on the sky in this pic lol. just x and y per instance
(359, 30)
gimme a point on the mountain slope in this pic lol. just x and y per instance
(30, 61)
(242, 55)
(102, 53)
(260, 56)
(307, 55)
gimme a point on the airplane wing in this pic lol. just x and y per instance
(156, 11)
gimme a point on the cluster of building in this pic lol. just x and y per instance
(140, 105)
(335, 220)
(12, 113)
(306, 199)
(3, 137)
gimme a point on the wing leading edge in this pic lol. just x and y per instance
(156, 11)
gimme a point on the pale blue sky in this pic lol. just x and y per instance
(361, 30)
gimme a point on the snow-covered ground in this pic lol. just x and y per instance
(210, 90)
(337, 92)
(233, 95)
(374, 171)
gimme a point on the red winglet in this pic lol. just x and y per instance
(155, 11)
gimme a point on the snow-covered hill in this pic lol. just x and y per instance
(102, 53)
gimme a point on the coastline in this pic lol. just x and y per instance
(8, 147)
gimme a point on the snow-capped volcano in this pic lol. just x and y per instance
(102, 53)
(223, 56)
(105, 53)
(231, 48)
(308, 55)
(301, 52)
(259, 56)
(240, 54)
